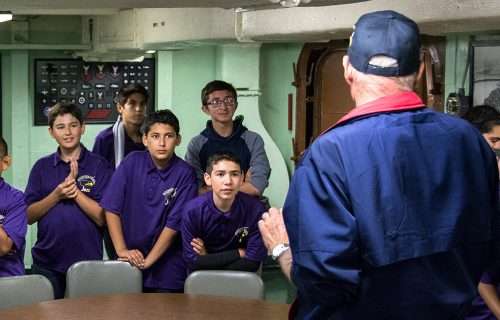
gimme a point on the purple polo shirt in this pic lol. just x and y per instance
(148, 200)
(65, 233)
(13, 220)
(479, 310)
(222, 231)
(104, 145)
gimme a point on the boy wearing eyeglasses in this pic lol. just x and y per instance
(223, 134)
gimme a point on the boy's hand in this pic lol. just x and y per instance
(146, 265)
(73, 169)
(248, 176)
(242, 252)
(67, 189)
(134, 257)
(198, 246)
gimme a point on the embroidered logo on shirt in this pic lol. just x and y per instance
(169, 194)
(241, 234)
(86, 183)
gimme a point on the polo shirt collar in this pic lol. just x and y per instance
(404, 101)
(2, 182)
(225, 215)
(151, 167)
(81, 158)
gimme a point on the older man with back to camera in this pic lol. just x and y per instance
(391, 213)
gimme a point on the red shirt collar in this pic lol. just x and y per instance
(407, 100)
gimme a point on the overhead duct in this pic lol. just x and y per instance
(310, 23)
(276, 4)
(172, 28)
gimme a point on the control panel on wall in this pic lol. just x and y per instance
(93, 86)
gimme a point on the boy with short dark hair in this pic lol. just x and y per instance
(115, 142)
(144, 204)
(223, 134)
(62, 196)
(220, 227)
(125, 136)
(12, 222)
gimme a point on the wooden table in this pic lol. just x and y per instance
(148, 306)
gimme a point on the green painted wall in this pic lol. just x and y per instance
(457, 47)
(276, 76)
(6, 125)
(191, 70)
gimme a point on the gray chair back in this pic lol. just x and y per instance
(87, 278)
(238, 284)
(28, 289)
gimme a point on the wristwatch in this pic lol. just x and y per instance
(278, 250)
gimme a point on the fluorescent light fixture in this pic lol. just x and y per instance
(290, 3)
(150, 51)
(5, 16)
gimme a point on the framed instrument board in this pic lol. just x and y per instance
(92, 86)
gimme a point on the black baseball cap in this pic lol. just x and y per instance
(385, 33)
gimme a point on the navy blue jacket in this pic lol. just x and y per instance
(391, 215)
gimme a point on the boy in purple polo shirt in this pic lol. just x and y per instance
(219, 228)
(115, 142)
(62, 196)
(12, 222)
(144, 204)
(123, 137)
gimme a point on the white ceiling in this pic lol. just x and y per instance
(34, 7)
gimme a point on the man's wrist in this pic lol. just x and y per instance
(279, 249)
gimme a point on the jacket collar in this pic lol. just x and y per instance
(238, 129)
(407, 100)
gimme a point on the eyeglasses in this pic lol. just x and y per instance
(217, 103)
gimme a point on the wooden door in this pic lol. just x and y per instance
(323, 96)
(332, 94)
